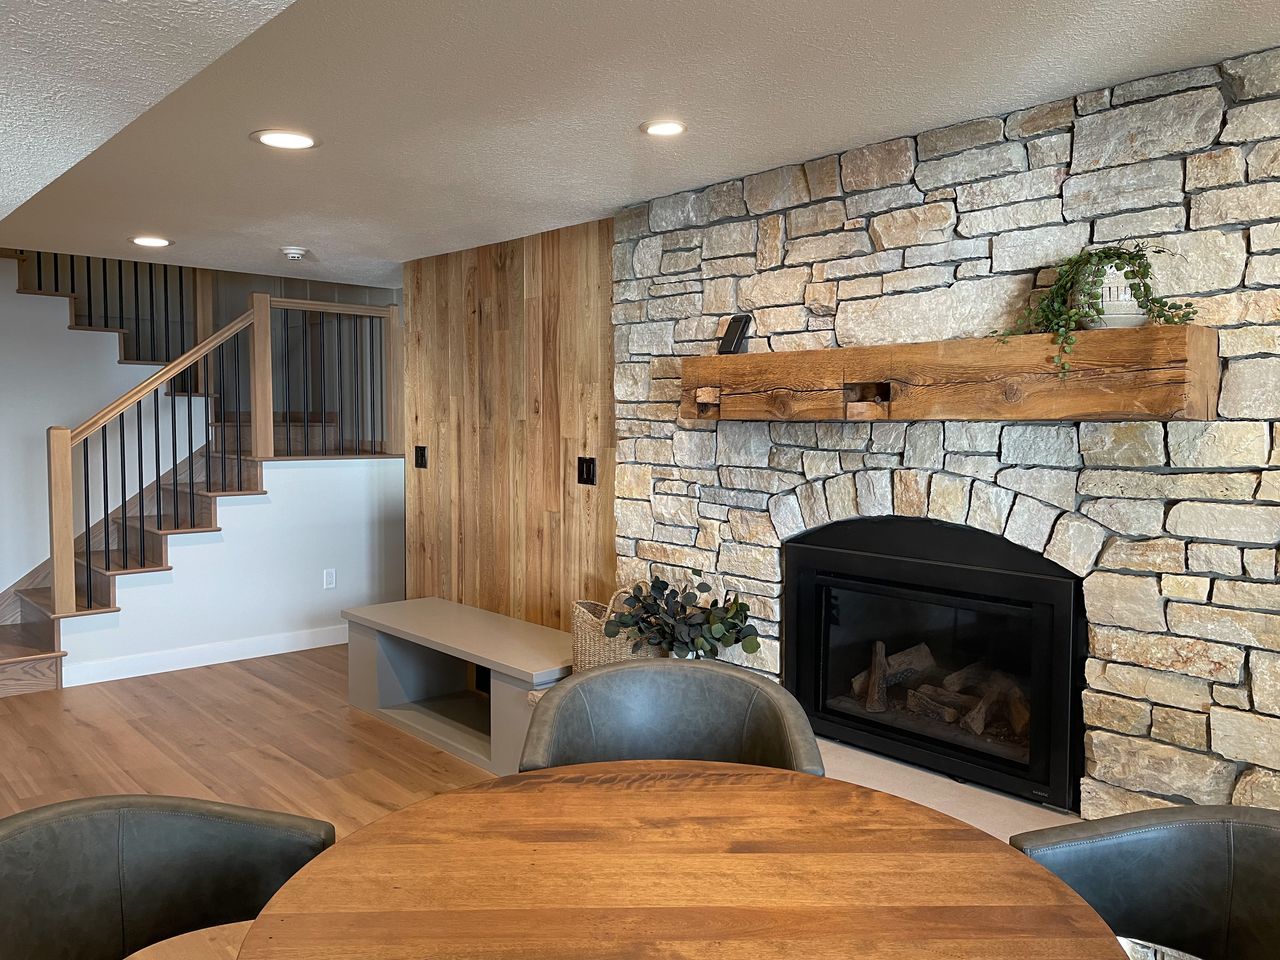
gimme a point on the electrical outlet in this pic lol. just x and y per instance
(420, 457)
(330, 579)
(587, 471)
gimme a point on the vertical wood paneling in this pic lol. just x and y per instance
(508, 380)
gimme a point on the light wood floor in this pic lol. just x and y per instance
(274, 733)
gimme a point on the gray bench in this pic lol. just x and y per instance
(412, 663)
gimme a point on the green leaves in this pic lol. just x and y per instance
(672, 617)
(1074, 302)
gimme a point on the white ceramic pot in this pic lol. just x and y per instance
(1119, 308)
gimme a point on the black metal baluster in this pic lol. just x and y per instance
(208, 412)
(106, 503)
(142, 490)
(151, 304)
(155, 436)
(39, 270)
(306, 384)
(342, 448)
(168, 351)
(324, 392)
(88, 524)
(124, 497)
(222, 417)
(106, 310)
(137, 313)
(191, 464)
(182, 318)
(288, 406)
(57, 286)
(382, 386)
(239, 428)
(88, 291)
(120, 305)
(357, 403)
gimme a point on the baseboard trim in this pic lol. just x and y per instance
(75, 674)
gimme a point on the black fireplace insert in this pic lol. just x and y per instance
(941, 645)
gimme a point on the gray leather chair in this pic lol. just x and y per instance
(670, 710)
(1201, 880)
(102, 878)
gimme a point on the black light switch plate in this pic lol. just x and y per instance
(420, 457)
(587, 470)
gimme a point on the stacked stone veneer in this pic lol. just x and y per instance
(946, 234)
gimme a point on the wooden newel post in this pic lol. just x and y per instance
(261, 405)
(62, 539)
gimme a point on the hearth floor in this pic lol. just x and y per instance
(994, 813)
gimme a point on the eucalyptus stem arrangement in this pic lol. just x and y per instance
(674, 618)
(1074, 302)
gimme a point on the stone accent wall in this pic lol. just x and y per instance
(1174, 527)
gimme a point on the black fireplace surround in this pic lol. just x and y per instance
(945, 646)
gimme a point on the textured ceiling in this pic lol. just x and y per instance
(75, 72)
(455, 122)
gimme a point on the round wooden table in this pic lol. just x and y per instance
(674, 859)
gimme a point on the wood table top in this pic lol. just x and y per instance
(699, 861)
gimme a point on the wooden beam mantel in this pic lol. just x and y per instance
(1146, 373)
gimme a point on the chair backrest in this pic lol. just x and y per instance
(670, 710)
(1202, 880)
(102, 878)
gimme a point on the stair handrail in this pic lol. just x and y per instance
(161, 377)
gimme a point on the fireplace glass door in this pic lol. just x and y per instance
(944, 646)
(955, 669)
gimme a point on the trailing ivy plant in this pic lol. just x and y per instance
(674, 618)
(1074, 302)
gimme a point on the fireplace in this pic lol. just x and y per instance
(941, 645)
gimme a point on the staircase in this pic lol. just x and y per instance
(288, 379)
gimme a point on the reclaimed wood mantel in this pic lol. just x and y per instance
(1146, 373)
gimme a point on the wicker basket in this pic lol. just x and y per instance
(591, 648)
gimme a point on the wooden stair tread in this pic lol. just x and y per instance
(151, 525)
(199, 491)
(42, 599)
(123, 571)
(27, 641)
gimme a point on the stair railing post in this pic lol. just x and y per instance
(261, 406)
(62, 541)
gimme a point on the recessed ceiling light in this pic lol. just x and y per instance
(283, 139)
(151, 241)
(663, 128)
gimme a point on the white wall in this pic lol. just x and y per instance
(256, 588)
(49, 375)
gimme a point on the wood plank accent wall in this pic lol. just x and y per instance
(508, 380)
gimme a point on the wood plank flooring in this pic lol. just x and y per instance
(274, 733)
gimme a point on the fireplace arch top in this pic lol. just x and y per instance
(936, 541)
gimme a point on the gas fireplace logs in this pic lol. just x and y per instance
(975, 698)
